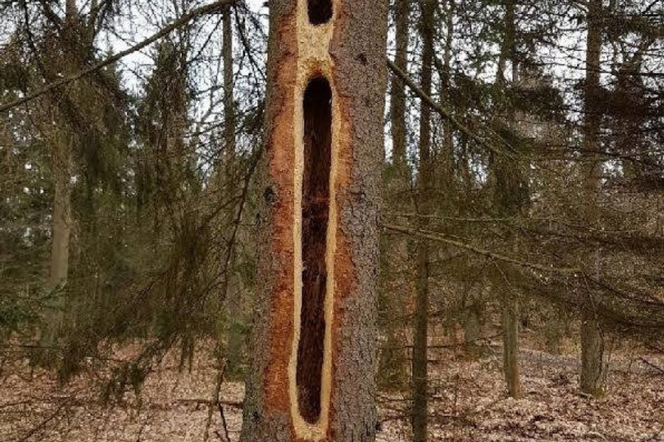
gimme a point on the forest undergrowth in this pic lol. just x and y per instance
(467, 401)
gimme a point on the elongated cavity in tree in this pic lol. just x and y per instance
(320, 11)
(317, 145)
(314, 334)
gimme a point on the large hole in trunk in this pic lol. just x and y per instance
(320, 11)
(317, 142)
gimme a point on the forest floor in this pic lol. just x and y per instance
(468, 403)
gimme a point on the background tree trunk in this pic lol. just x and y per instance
(62, 214)
(331, 97)
(61, 232)
(60, 236)
(234, 350)
(229, 102)
(511, 346)
(392, 361)
(421, 319)
(593, 370)
(398, 94)
(511, 196)
(472, 322)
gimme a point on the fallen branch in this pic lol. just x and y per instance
(650, 364)
(45, 422)
(234, 404)
(223, 422)
(444, 346)
(215, 398)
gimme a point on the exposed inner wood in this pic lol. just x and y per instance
(317, 142)
(320, 11)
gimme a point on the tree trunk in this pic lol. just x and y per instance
(421, 324)
(593, 370)
(511, 346)
(420, 354)
(229, 103)
(511, 196)
(392, 367)
(447, 172)
(71, 11)
(61, 215)
(313, 343)
(397, 91)
(62, 222)
(472, 322)
(61, 232)
(234, 350)
(592, 347)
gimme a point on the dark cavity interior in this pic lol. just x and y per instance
(315, 212)
(320, 11)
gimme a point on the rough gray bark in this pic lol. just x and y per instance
(593, 370)
(358, 80)
(421, 319)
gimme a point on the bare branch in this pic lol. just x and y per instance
(203, 10)
(444, 112)
(461, 245)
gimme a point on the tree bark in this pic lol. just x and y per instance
(71, 11)
(392, 367)
(229, 103)
(61, 214)
(593, 370)
(511, 194)
(421, 324)
(511, 346)
(62, 217)
(447, 178)
(472, 322)
(234, 350)
(397, 88)
(313, 338)
(420, 348)
(60, 236)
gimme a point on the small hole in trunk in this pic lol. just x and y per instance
(320, 11)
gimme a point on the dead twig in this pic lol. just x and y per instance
(203, 10)
(433, 236)
(650, 364)
(223, 422)
(46, 421)
(233, 404)
(215, 398)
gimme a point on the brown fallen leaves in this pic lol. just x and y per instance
(468, 403)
